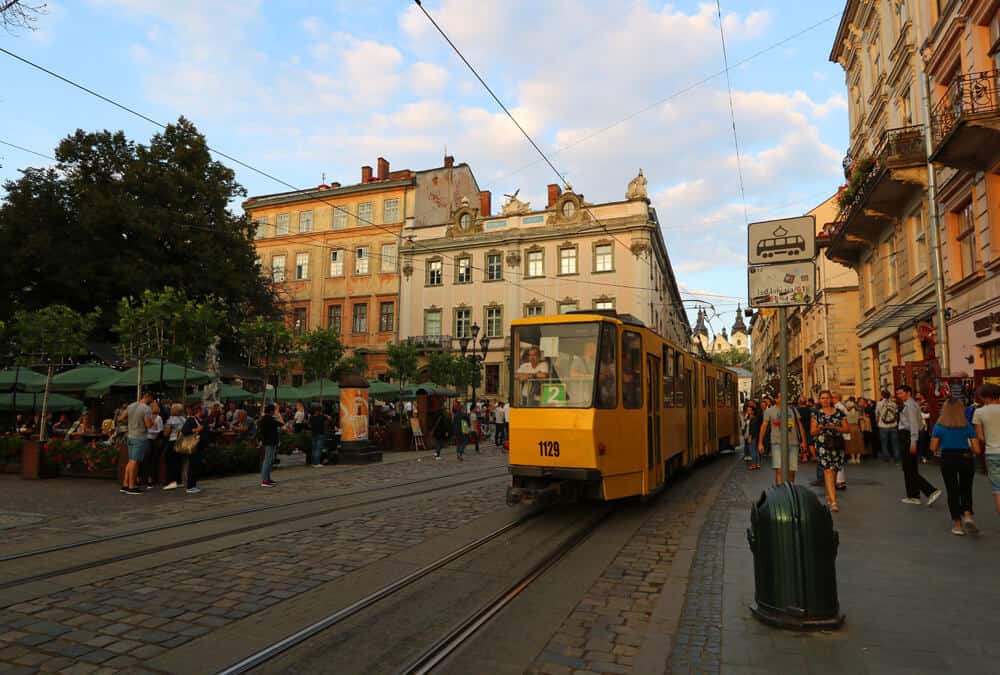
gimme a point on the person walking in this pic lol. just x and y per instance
(750, 453)
(986, 420)
(149, 469)
(755, 426)
(474, 424)
(460, 430)
(887, 416)
(498, 436)
(829, 424)
(196, 423)
(439, 432)
(956, 440)
(796, 438)
(317, 427)
(172, 431)
(138, 418)
(910, 423)
(805, 415)
(269, 430)
(853, 439)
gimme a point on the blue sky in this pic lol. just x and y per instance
(304, 88)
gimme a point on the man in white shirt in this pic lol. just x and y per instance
(910, 423)
(986, 420)
(528, 374)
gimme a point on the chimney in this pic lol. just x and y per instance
(366, 174)
(383, 168)
(484, 203)
(554, 192)
(449, 161)
(334, 185)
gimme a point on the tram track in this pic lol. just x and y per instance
(457, 635)
(492, 473)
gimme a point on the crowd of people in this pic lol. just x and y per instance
(834, 431)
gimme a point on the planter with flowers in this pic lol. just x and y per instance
(76, 458)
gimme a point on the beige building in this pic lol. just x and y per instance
(477, 268)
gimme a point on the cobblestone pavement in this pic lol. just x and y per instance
(604, 631)
(52, 511)
(121, 622)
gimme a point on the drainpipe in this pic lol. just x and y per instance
(937, 267)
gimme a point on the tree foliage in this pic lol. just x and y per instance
(453, 370)
(268, 344)
(320, 351)
(739, 358)
(19, 14)
(402, 360)
(114, 217)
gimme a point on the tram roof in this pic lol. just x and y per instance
(581, 315)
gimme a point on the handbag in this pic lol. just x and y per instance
(186, 445)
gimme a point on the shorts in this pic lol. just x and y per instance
(793, 455)
(137, 449)
(993, 471)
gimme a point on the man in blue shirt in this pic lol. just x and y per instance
(910, 423)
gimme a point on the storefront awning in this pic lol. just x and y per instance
(894, 316)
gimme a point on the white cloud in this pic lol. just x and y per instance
(427, 79)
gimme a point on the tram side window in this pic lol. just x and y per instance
(607, 377)
(669, 373)
(631, 370)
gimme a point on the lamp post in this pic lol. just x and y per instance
(474, 357)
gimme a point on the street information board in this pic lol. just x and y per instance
(784, 240)
(782, 285)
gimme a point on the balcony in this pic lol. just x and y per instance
(431, 343)
(965, 123)
(879, 191)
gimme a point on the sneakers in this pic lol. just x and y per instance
(172, 485)
(133, 491)
(437, 456)
(193, 491)
(912, 500)
(123, 490)
(958, 531)
(267, 483)
(316, 466)
(970, 525)
(933, 497)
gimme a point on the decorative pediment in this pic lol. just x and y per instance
(569, 210)
(513, 259)
(464, 221)
(407, 270)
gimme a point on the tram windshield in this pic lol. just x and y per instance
(556, 364)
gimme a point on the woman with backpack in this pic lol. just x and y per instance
(956, 440)
(887, 419)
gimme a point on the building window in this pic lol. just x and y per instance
(278, 268)
(534, 309)
(494, 322)
(991, 355)
(305, 221)
(603, 258)
(337, 262)
(565, 307)
(386, 316)
(604, 304)
(492, 378)
(299, 320)
(889, 256)
(494, 267)
(281, 224)
(361, 260)
(869, 267)
(463, 270)
(301, 266)
(463, 323)
(388, 263)
(434, 272)
(536, 263)
(567, 260)
(261, 230)
(390, 211)
(918, 235)
(432, 322)
(340, 215)
(365, 213)
(334, 319)
(965, 234)
(359, 323)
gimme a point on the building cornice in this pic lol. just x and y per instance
(324, 194)
(850, 9)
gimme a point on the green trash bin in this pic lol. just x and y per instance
(794, 560)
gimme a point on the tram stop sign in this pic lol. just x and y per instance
(781, 241)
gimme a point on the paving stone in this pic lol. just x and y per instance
(56, 663)
(97, 656)
(49, 628)
(17, 670)
(73, 651)
(32, 640)
(123, 646)
(122, 661)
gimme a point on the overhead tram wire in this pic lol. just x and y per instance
(732, 112)
(671, 96)
(29, 151)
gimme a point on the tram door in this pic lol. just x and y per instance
(654, 452)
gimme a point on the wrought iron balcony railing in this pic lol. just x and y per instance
(970, 94)
(902, 146)
(435, 342)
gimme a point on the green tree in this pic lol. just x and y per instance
(114, 217)
(51, 336)
(320, 352)
(269, 345)
(194, 328)
(739, 358)
(402, 359)
(441, 368)
(355, 363)
(466, 373)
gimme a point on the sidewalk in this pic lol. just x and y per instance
(917, 598)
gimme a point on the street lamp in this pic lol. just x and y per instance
(475, 356)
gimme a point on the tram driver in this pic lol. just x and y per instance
(529, 373)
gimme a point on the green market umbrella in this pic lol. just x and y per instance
(173, 376)
(411, 391)
(230, 392)
(310, 391)
(26, 379)
(57, 402)
(283, 393)
(79, 378)
(383, 391)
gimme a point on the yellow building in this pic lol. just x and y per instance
(332, 251)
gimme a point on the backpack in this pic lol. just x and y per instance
(890, 413)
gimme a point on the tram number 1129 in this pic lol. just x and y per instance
(548, 448)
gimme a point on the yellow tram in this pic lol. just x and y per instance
(604, 408)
